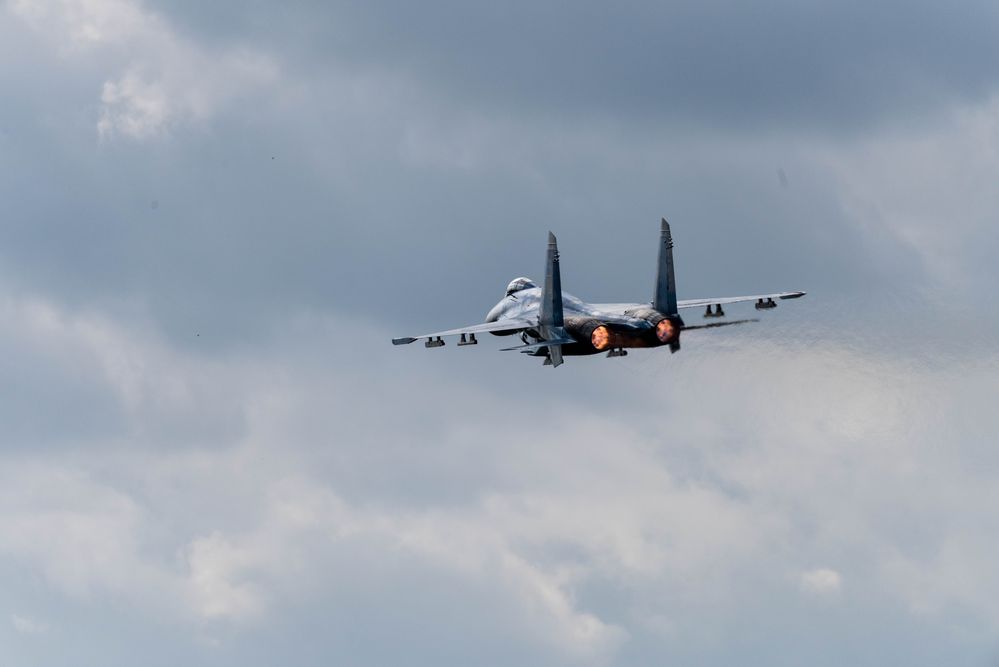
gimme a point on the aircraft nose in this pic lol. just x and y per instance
(495, 312)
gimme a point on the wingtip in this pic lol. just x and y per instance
(403, 341)
(551, 237)
(664, 226)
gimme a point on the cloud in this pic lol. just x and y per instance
(829, 69)
(276, 235)
(586, 537)
(27, 626)
(209, 445)
(166, 80)
(133, 107)
(821, 581)
(213, 562)
(928, 190)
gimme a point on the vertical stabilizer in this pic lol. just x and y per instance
(664, 299)
(550, 319)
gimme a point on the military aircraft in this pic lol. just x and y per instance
(553, 323)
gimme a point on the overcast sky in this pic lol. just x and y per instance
(214, 217)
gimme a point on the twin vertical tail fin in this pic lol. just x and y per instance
(664, 299)
(550, 318)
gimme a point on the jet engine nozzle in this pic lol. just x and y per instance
(666, 331)
(600, 337)
(666, 327)
(592, 331)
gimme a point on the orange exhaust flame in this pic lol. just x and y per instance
(665, 331)
(600, 338)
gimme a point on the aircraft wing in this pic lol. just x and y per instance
(487, 327)
(700, 303)
(619, 308)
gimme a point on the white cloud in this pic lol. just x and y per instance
(91, 538)
(84, 23)
(822, 581)
(27, 626)
(214, 563)
(310, 487)
(162, 79)
(84, 537)
(931, 190)
(134, 107)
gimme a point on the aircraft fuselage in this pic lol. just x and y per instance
(617, 330)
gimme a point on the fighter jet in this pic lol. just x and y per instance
(554, 324)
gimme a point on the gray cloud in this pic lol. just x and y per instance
(260, 212)
(629, 522)
(774, 65)
(215, 217)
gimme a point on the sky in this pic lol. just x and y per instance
(215, 216)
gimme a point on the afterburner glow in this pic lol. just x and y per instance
(600, 338)
(665, 331)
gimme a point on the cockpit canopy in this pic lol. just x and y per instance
(518, 284)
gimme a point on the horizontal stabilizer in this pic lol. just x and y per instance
(534, 347)
(716, 324)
